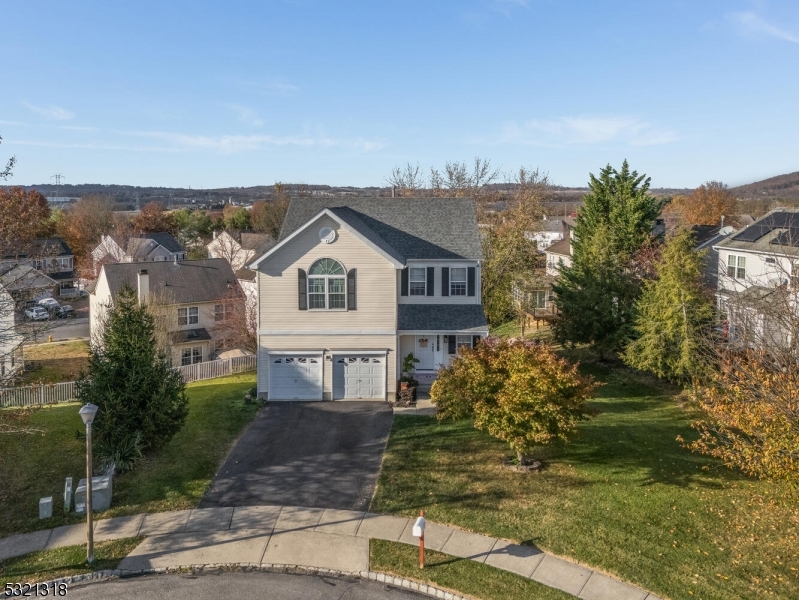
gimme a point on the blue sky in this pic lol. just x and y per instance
(247, 93)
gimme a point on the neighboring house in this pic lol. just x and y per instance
(558, 255)
(145, 247)
(705, 238)
(758, 274)
(10, 340)
(354, 285)
(239, 247)
(195, 298)
(552, 230)
(44, 265)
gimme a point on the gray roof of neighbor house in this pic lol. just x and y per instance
(144, 243)
(777, 232)
(186, 336)
(441, 317)
(39, 248)
(252, 240)
(404, 228)
(180, 282)
(561, 247)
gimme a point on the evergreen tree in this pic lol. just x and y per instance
(672, 315)
(141, 399)
(596, 294)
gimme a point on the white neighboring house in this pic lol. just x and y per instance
(753, 265)
(559, 254)
(195, 297)
(10, 340)
(355, 284)
(239, 247)
(144, 247)
(552, 230)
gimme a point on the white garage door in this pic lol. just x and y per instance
(359, 377)
(295, 377)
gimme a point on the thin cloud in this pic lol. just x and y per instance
(750, 23)
(227, 144)
(53, 112)
(14, 123)
(77, 128)
(583, 131)
(269, 88)
(247, 115)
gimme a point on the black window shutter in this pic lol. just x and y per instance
(445, 282)
(431, 281)
(404, 282)
(302, 288)
(471, 280)
(451, 344)
(352, 290)
(475, 340)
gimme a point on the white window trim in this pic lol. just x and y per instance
(191, 350)
(736, 258)
(465, 281)
(188, 310)
(327, 287)
(411, 281)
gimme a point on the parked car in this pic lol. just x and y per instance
(83, 293)
(49, 303)
(65, 311)
(36, 313)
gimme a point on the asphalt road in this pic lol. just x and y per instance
(318, 454)
(60, 329)
(244, 586)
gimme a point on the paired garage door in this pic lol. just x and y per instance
(359, 377)
(295, 377)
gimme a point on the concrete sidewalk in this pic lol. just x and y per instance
(311, 537)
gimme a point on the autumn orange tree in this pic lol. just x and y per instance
(705, 205)
(23, 215)
(518, 391)
(83, 224)
(154, 218)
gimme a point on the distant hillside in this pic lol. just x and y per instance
(783, 187)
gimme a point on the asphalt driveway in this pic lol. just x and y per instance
(320, 454)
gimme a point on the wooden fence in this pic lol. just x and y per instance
(55, 393)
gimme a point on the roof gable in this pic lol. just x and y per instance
(407, 228)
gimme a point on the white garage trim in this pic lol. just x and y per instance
(295, 375)
(360, 375)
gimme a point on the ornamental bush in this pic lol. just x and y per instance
(518, 391)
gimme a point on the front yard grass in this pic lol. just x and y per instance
(457, 574)
(64, 562)
(54, 363)
(34, 465)
(623, 497)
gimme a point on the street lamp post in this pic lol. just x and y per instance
(87, 413)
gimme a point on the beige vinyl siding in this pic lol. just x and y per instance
(327, 344)
(278, 281)
(407, 345)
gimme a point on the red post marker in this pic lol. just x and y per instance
(418, 531)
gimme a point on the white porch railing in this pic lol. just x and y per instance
(55, 393)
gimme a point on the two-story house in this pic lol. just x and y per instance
(42, 265)
(239, 247)
(10, 340)
(144, 247)
(354, 285)
(758, 273)
(193, 298)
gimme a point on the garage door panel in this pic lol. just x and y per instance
(359, 377)
(296, 378)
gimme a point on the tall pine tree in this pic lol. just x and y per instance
(673, 315)
(596, 294)
(142, 400)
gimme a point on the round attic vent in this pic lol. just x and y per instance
(327, 235)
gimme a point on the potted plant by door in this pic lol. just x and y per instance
(408, 383)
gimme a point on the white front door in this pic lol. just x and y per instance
(295, 377)
(359, 377)
(425, 351)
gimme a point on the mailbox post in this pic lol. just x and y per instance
(418, 531)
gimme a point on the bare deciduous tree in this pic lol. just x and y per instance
(406, 181)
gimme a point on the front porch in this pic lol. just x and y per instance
(433, 350)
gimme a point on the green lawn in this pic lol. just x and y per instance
(458, 574)
(34, 465)
(64, 562)
(54, 363)
(623, 497)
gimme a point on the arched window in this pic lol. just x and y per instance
(327, 285)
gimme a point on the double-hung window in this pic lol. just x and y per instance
(539, 299)
(417, 279)
(222, 312)
(191, 356)
(463, 340)
(736, 266)
(189, 316)
(327, 285)
(65, 264)
(457, 281)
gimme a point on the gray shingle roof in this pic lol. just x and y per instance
(138, 246)
(407, 228)
(186, 336)
(441, 317)
(203, 280)
(562, 247)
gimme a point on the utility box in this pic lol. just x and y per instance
(102, 489)
(46, 508)
(68, 494)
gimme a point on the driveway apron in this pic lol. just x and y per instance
(318, 454)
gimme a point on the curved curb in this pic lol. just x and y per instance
(378, 576)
